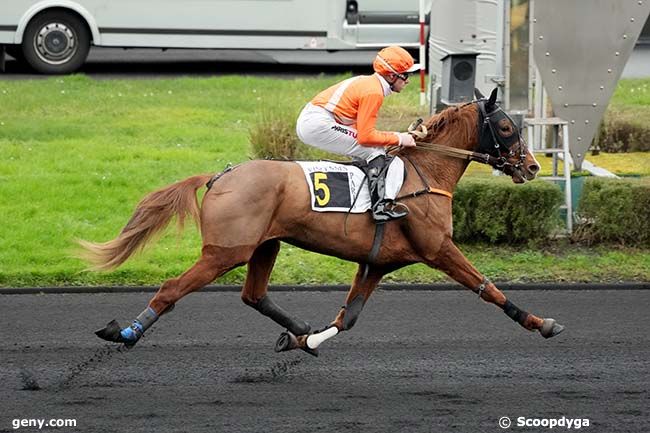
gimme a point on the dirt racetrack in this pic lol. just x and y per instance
(415, 362)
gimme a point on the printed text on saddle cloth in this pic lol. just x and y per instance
(334, 187)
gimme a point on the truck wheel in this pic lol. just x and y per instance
(56, 42)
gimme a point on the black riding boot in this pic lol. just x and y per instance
(383, 209)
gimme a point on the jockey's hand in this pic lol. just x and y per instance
(406, 140)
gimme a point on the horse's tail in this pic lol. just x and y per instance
(151, 215)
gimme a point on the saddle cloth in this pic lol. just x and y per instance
(344, 188)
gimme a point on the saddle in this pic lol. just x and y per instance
(344, 187)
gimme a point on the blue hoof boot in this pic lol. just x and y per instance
(132, 334)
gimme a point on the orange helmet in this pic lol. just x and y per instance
(394, 60)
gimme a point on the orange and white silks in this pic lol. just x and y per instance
(342, 118)
(356, 102)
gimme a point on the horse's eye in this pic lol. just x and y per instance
(506, 128)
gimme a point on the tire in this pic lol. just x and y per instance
(56, 42)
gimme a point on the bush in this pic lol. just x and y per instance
(500, 211)
(274, 137)
(619, 135)
(614, 210)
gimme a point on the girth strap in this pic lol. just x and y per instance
(376, 243)
(217, 176)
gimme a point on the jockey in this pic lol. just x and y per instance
(341, 119)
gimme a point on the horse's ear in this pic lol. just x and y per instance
(478, 94)
(493, 98)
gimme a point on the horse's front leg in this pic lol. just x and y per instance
(452, 261)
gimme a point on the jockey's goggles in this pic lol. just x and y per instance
(405, 76)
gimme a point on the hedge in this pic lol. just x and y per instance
(618, 135)
(497, 210)
(614, 210)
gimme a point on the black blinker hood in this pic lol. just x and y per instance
(491, 139)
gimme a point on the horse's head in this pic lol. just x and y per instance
(499, 137)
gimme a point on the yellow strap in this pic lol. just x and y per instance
(441, 192)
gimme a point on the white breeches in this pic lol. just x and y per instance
(317, 127)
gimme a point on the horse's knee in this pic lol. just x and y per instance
(352, 311)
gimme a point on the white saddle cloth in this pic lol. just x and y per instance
(338, 187)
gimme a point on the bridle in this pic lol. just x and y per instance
(496, 146)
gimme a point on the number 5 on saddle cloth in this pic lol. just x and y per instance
(335, 187)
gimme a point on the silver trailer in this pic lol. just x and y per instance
(54, 36)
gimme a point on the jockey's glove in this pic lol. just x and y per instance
(406, 139)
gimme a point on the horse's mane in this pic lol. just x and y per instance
(453, 126)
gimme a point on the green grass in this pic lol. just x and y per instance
(78, 154)
(632, 93)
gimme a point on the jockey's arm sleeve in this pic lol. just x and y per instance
(367, 135)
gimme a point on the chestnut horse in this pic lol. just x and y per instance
(249, 210)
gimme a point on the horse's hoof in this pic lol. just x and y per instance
(286, 341)
(111, 332)
(550, 328)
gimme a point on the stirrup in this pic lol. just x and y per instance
(388, 210)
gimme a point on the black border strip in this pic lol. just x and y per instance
(8, 28)
(141, 31)
(389, 17)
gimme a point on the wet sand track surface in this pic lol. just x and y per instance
(415, 362)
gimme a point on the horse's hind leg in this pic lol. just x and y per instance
(254, 293)
(214, 262)
(452, 261)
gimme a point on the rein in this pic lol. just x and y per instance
(486, 131)
(500, 163)
(483, 158)
(485, 124)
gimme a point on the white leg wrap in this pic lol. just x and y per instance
(315, 340)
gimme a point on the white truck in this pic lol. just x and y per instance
(54, 36)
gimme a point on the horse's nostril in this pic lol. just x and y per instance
(533, 168)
